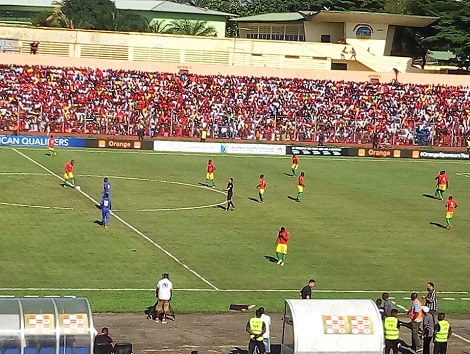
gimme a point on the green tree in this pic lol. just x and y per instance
(231, 7)
(160, 26)
(55, 18)
(191, 28)
(197, 3)
(452, 31)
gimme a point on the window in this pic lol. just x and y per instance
(325, 38)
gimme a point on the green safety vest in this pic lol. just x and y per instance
(203, 134)
(442, 334)
(391, 328)
(256, 326)
(468, 144)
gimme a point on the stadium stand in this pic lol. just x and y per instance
(117, 102)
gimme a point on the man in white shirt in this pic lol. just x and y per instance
(164, 291)
(267, 321)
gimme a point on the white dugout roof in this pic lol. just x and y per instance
(332, 326)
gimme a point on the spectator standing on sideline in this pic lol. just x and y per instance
(266, 340)
(416, 316)
(391, 332)
(103, 339)
(430, 300)
(388, 304)
(378, 302)
(428, 330)
(164, 292)
(306, 292)
(256, 328)
(442, 333)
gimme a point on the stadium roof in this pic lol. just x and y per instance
(344, 16)
(441, 55)
(273, 17)
(135, 5)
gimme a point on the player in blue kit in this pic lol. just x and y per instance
(106, 187)
(105, 210)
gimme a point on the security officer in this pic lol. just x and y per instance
(392, 332)
(256, 328)
(442, 333)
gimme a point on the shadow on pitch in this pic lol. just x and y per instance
(292, 198)
(438, 224)
(98, 222)
(271, 259)
(430, 196)
(253, 199)
(289, 174)
(221, 207)
(238, 350)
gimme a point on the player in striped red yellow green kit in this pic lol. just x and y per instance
(295, 164)
(281, 245)
(300, 187)
(210, 173)
(451, 204)
(261, 188)
(68, 174)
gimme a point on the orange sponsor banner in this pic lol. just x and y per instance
(120, 144)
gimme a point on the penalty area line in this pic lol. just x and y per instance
(125, 223)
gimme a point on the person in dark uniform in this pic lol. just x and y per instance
(103, 343)
(230, 195)
(306, 292)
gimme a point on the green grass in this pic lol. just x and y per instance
(363, 225)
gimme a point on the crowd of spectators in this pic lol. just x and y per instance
(94, 101)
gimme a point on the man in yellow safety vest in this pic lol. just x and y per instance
(392, 332)
(256, 328)
(442, 333)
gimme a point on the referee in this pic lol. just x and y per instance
(230, 194)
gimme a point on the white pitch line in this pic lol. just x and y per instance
(125, 223)
(124, 178)
(460, 337)
(331, 291)
(346, 158)
(35, 206)
(23, 173)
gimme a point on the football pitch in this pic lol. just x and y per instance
(364, 226)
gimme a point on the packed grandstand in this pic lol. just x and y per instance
(94, 101)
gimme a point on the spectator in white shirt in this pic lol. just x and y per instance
(164, 291)
(267, 321)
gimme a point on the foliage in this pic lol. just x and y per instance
(452, 31)
(191, 28)
(160, 26)
(55, 18)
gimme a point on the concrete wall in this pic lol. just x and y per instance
(314, 31)
(375, 44)
(436, 79)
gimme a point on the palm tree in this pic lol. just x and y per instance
(159, 26)
(191, 28)
(56, 18)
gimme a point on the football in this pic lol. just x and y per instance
(77, 188)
